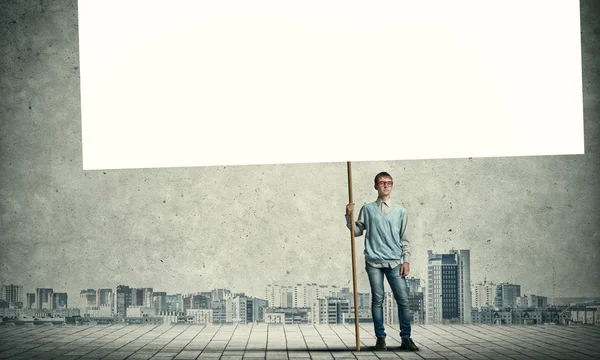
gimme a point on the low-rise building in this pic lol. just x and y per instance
(139, 311)
(201, 316)
(582, 314)
(287, 316)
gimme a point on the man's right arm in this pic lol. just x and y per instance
(359, 224)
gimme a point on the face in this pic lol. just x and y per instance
(384, 186)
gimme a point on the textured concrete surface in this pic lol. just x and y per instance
(295, 342)
(534, 221)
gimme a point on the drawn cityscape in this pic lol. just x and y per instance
(447, 296)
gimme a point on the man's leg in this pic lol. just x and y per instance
(400, 291)
(376, 282)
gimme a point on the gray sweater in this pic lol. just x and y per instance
(386, 243)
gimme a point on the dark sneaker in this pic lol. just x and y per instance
(380, 345)
(408, 344)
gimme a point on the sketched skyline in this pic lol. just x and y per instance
(531, 220)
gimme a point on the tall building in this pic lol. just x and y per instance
(147, 297)
(201, 316)
(464, 284)
(30, 301)
(220, 294)
(137, 296)
(299, 295)
(200, 302)
(416, 300)
(219, 309)
(364, 301)
(330, 310)
(237, 310)
(531, 301)
(305, 295)
(13, 294)
(279, 296)
(336, 309)
(506, 295)
(104, 297)
(414, 285)
(390, 309)
(416, 304)
(327, 291)
(88, 298)
(175, 303)
(208, 295)
(345, 293)
(159, 302)
(449, 287)
(123, 300)
(255, 309)
(43, 298)
(484, 295)
(59, 301)
(273, 295)
(188, 302)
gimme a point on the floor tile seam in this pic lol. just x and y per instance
(305, 343)
(305, 339)
(434, 326)
(121, 328)
(248, 339)
(147, 332)
(447, 332)
(352, 330)
(586, 335)
(487, 328)
(499, 329)
(338, 335)
(42, 344)
(361, 327)
(324, 342)
(108, 333)
(519, 339)
(458, 328)
(444, 346)
(21, 330)
(365, 345)
(192, 339)
(132, 330)
(519, 358)
(209, 341)
(33, 329)
(513, 334)
(534, 329)
(26, 350)
(269, 333)
(172, 339)
(287, 350)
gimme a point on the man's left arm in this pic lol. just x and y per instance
(405, 246)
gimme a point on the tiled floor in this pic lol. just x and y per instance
(261, 341)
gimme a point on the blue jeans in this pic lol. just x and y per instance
(400, 291)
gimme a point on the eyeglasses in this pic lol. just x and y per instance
(388, 183)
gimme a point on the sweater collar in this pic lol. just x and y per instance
(388, 202)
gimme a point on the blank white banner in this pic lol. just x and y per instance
(232, 82)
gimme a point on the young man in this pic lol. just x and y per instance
(387, 253)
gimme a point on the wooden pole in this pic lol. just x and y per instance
(355, 286)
